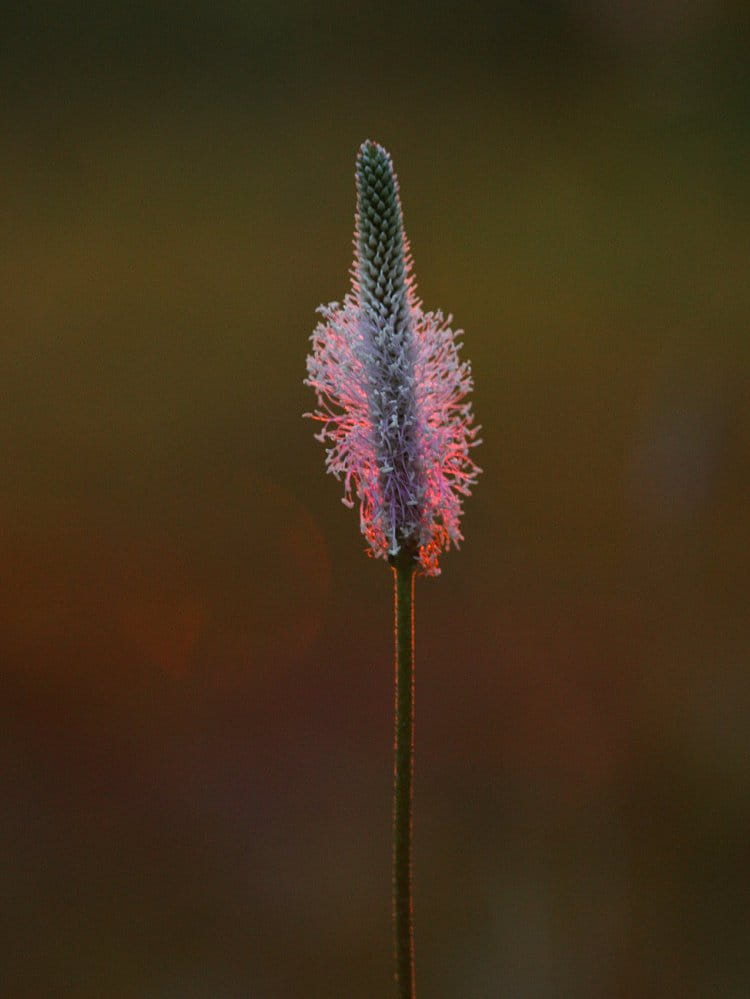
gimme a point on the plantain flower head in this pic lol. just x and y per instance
(391, 389)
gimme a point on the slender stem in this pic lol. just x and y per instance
(403, 773)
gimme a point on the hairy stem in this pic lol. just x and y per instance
(403, 772)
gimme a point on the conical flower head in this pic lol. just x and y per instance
(391, 389)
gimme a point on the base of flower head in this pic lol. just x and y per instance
(406, 557)
(420, 501)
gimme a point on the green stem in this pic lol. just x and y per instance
(403, 772)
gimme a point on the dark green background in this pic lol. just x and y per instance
(196, 655)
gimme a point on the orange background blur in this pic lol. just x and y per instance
(196, 655)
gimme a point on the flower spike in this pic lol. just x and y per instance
(391, 389)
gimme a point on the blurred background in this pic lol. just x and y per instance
(196, 654)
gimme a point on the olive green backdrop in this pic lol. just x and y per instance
(196, 654)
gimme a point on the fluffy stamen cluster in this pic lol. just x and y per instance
(391, 389)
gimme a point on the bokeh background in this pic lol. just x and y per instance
(196, 655)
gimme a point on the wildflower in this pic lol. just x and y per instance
(391, 389)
